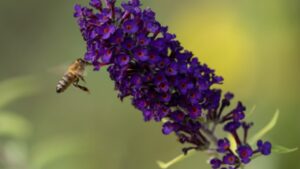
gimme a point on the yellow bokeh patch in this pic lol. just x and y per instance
(216, 35)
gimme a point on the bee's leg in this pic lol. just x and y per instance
(80, 87)
(88, 63)
(81, 78)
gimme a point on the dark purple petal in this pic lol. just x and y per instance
(159, 44)
(223, 145)
(78, 11)
(153, 27)
(135, 3)
(264, 147)
(232, 126)
(104, 16)
(130, 26)
(147, 115)
(109, 3)
(148, 14)
(107, 55)
(168, 128)
(154, 57)
(215, 163)
(172, 69)
(195, 112)
(194, 96)
(177, 116)
(118, 37)
(123, 59)
(96, 4)
(238, 113)
(89, 56)
(230, 159)
(143, 40)
(245, 153)
(165, 97)
(141, 54)
(106, 30)
(163, 63)
(163, 87)
(132, 7)
(228, 96)
(128, 43)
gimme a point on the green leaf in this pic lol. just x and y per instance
(282, 150)
(255, 156)
(233, 145)
(15, 88)
(177, 159)
(13, 125)
(265, 129)
(251, 112)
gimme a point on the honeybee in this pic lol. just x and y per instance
(72, 76)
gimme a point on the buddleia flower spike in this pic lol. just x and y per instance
(166, 82)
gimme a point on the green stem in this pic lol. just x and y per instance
(210, 134)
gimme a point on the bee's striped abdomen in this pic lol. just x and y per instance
(65, 82)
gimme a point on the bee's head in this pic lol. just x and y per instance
(82, 62)
(79, 60)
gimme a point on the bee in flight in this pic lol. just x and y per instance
(72, 76)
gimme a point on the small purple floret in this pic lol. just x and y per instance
(223, 145)
(232, 126)
(230, 159)
(245, 153)
(215, 163)
(264, 147)
(130, 26)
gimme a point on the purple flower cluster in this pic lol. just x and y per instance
(164, 81)
(242, 155)
(233, 121)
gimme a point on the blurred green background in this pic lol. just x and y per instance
(253, 44)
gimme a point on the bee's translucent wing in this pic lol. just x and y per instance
(58, 69)
(61, 69)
